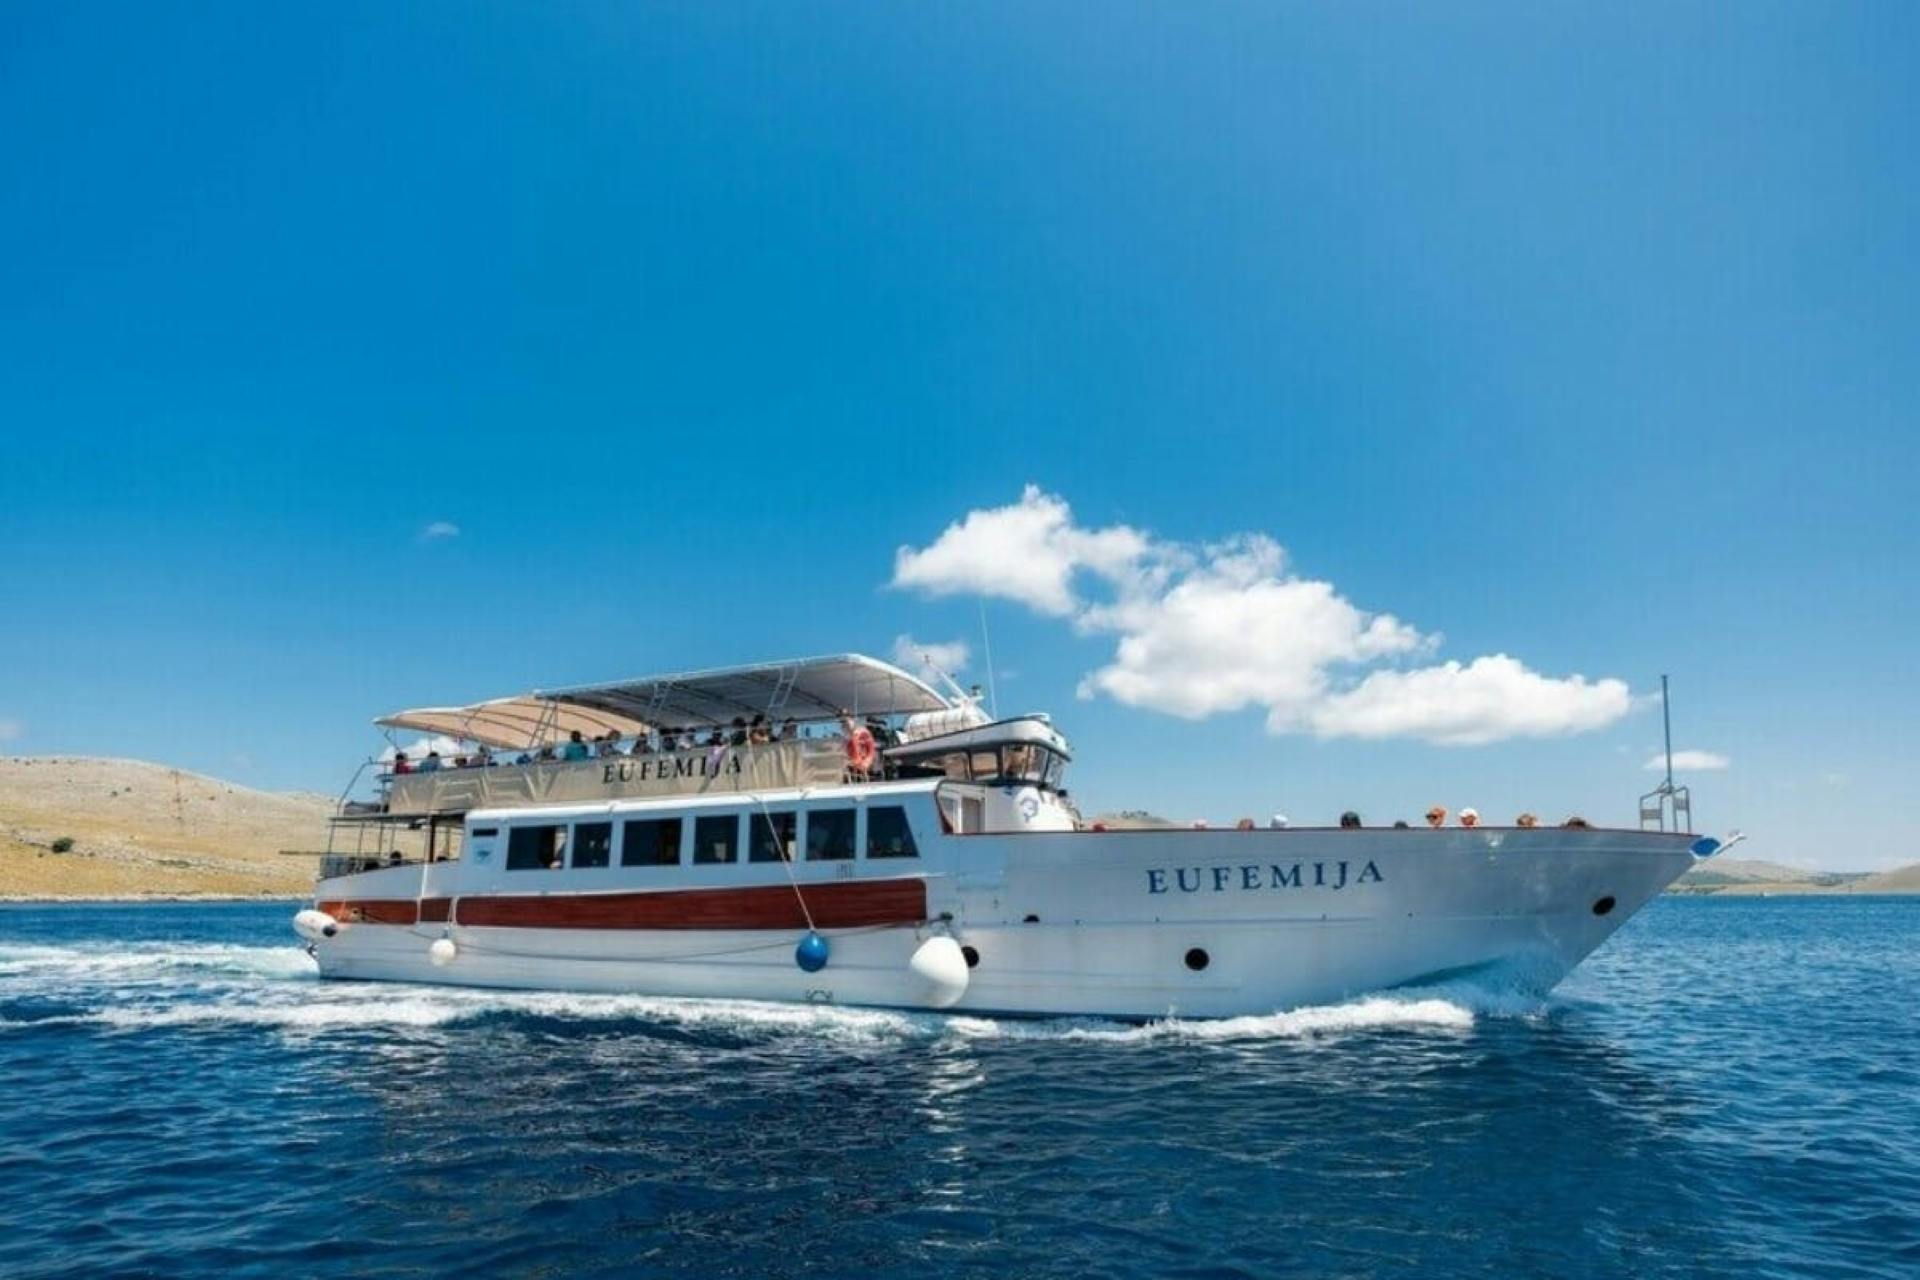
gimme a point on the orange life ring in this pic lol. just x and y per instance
(860, 749)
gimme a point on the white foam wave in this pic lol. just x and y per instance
(1372, 1013)
(127, 987)
(152, 960)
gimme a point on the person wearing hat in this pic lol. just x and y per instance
(1437, 816)
(1526, 820)
(1469, 817)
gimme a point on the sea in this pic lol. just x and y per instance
(1731, 1087)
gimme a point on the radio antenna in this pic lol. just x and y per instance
(1666, 722)
(986, 645)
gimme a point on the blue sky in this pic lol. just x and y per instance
(1581, 336)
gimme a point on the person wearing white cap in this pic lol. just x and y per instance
(1469, 817)
(1278, 822)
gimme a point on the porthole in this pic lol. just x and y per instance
(1198, 959)
(972, 957)
(1603, 906)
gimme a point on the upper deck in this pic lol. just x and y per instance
(787, 726)
(777, 766)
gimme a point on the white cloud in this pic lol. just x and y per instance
(1485, 700)
(11, 729)
(1690, 760)
(926, 658)
(1027, 552)
(1229, 625)
(418, 748)
(1233, 630)
(440, 529)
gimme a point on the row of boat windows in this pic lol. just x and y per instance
(827, 835)
(1020, 763)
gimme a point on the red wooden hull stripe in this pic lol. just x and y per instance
(841, 904)
(372, 910)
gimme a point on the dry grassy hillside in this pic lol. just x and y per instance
(141, 829)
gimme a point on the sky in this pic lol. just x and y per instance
(1322, 406)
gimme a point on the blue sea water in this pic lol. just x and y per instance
(1730, 1088)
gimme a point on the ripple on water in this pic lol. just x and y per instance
(186, 1098)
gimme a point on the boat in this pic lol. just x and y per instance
(869, 839)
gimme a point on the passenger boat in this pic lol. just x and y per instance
(949, 871)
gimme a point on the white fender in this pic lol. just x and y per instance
(442, 952)
(315, 926)
(942, 971)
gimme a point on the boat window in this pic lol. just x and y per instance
(1026, 762)
(536, 848)
(888, 835)
(772, 838)
(986, 766)
(1056, 771)
(716, 838)
(655, 842)
(592, 844)
(829, 835)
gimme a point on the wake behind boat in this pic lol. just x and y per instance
(836, 830)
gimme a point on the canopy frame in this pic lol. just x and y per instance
(804, 689)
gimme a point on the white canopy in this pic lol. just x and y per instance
(803, 688)
(514, 723)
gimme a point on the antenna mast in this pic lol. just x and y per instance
(1666, 807)
(986, 644)
(1666, 721)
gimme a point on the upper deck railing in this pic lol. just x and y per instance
(809, 762)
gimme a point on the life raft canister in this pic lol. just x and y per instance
(860, 749)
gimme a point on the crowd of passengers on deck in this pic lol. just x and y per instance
(863, 741)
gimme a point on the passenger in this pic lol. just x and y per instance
(642, 744)
(789, 730)
(718, 738)
(546, 753)
(394, 859)
(1245, 824)
(609, 746)
(1278, 822)
(1577, 822)
(431, 764)
(758, 733)
(1349, 821)
(523, 758)
(576, 748)
(860, 749)
(1400, 824)
(1526, 820)
(1437, 816)
(738, 738)
(1469, 817)
(483, 757)
(668, 742)
(400, 763)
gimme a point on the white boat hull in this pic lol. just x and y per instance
(1118, 924)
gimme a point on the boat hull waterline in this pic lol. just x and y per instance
(1121, 924)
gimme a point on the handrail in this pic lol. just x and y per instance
(340, 805)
